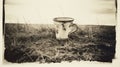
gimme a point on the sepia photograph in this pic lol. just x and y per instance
(56, 31)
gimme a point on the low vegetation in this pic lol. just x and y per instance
(37, 43)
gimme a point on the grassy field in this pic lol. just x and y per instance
(37, 43)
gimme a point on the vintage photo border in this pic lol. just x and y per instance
(115, 63)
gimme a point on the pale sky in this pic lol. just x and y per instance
(43, 11)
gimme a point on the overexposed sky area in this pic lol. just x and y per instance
(43, 11)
